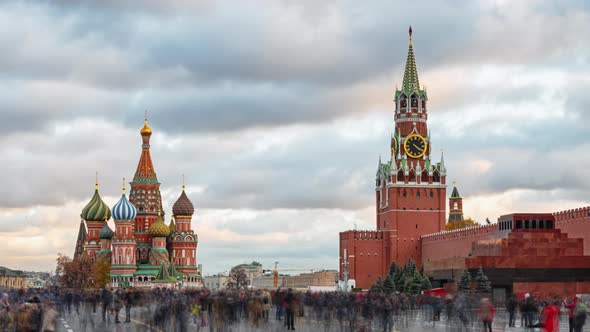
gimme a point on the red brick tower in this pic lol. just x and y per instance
(455, 205)
(410, 187)
(145, 196)
(410, 192)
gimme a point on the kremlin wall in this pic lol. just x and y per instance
(542, 253)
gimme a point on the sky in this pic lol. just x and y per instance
(277, 111)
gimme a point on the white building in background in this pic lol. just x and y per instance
(216, 281)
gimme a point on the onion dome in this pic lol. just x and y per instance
(146, 130)
(159, 229)
(124, 210)
(106, 233)
(96, 209)
(183, 206)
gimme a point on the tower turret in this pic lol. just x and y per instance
(145, 195)
(124, 245)
(455, 205)
(183, 240)
(94, 213)
(80, 241)
(106, 234)
(159, 232)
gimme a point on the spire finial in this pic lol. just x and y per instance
(159, 212)
(146, 130)
(410, 32)
(454, 183)
(96, 181)
(123, 186)
(183, 186)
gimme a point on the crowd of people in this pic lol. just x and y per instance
(202, 310)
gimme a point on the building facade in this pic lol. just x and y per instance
(12, 278)
(143, 251)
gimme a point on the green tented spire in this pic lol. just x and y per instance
(163, 274)
(411, 82)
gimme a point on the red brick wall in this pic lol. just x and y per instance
(457, 243)
(576, 223)
(550, 289)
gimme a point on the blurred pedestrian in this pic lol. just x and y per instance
(486, 314)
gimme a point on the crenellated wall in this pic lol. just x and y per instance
(576, 223)
(365, 251)
(441, 247)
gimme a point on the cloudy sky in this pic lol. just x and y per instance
(277, 111)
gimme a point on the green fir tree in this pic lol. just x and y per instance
(410, 267)
(414, 283)
(465, 282)
(426, 283)
(483, 284)
(389, 285)
(393, 270)
(377, 286)
(399, 280)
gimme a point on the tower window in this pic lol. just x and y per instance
(418, 193)
(404, 193)
(455, 206)
(431, 194)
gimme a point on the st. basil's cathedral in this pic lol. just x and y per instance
(143, 251)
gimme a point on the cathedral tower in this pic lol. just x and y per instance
(123, 252)
(94, 213)
(159, 232)
(145, 196)
(183, 240)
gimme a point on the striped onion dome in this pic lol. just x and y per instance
(96, 209)
(106, 233)
(124, 210)
(183, 206)
(159, 228)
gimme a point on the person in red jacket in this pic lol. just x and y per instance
(487, 311)
(551, 316)
(570, 306)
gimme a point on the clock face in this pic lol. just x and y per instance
(415, 146)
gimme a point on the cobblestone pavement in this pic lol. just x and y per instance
(414, 322)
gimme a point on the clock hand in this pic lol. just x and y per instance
(414, 145)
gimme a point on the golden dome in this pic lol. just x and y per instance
(146, 130)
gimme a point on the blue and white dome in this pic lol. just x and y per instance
(124, 210)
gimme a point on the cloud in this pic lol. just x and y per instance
(277, 111)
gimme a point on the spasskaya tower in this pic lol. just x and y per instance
(410, 190)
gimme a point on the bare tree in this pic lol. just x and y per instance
(237, 279)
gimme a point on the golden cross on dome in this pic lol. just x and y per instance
(96, 181)
(183, 186)
(123, 186)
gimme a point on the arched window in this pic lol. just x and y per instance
(455, 206)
